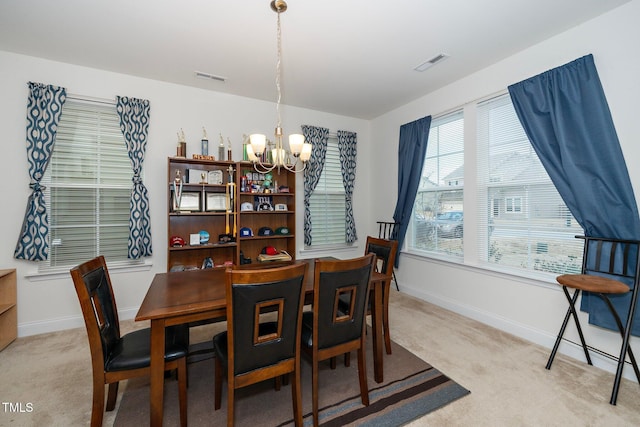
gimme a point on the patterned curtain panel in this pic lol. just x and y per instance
(43, 115)
(347, 146)
(134, 123)
(318, 137)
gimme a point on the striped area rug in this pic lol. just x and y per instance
(411, 389)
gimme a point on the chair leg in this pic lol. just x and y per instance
(97, 410)
(296, 395)
(112, 396)
(571, 311)
(182, 390)
(217, 389)
(362, 375)
(385, 319)
(628, 350)
(625, 349)
(230, 403)
(347, 359)
(314, 391)
(395, 280)
(277, 383)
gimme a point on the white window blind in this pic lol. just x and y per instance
(88, 187)
(437, 219)
(525, 224)
(327, 203)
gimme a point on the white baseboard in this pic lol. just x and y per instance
(520, 330)
(64, 323)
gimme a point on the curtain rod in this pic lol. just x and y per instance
(92, 99)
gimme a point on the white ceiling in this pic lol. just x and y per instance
(348, 57)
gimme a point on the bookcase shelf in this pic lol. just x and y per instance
(8, 307)
(226, 223)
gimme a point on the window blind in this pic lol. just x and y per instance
(327, 203)
(88, 187)
(437, 220)
(524, 222)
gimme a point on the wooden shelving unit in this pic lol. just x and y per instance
(8, 307)
(255, 220)
(222, 223)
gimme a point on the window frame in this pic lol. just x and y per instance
(480, 227)
(336, 189)
(438, 239)
(106, 138)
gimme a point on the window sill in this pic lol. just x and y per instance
(543, 279)
(37, 276)
(320, 251)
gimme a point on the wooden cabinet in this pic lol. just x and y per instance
(205, 197)
(279, 220)
(8, 307)
(201, 206)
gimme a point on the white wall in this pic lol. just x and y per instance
(528, 309)
(51, 304)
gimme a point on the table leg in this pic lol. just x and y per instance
(376, 323)
(157, 372)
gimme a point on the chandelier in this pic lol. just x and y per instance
(278, 157)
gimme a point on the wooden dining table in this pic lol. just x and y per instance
(190, 296)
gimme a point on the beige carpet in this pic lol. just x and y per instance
(411, 388)
(506, 375)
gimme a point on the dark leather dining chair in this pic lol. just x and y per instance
(329, 330)
(385, 252)
(116, 357)
(610, 268)
(262, 340)
(389, 231)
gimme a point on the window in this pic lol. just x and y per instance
(327, 202)
(88, 185)
(528, 226)
(437, 220)
(521, 224)
(513, 204)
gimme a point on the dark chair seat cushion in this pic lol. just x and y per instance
(221, 348)
(133, 350)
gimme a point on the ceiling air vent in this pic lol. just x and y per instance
(207, 76)
(431, 62)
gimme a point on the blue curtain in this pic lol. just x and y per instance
(347, 142)
(134, 123)
(411, 152)
(565, 114)
(318, 137)
(43, 115)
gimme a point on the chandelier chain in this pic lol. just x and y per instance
(300, 150)
(279, 70)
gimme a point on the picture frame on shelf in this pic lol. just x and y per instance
(215, 202)
(189, 202)
(215, 177)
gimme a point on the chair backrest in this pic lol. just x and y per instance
(385, 252)
(276, 294)
(388, 230)
(93, 286)
(612, 258)
(335, 280)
